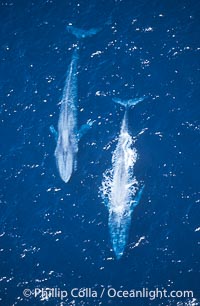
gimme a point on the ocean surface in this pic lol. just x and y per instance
(55, 235)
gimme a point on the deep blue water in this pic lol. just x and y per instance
(54, 234)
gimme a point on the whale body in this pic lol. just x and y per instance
(120, 188)
(67, 142)
(67, 135)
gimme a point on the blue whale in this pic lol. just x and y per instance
(68, 135)
(120, 188)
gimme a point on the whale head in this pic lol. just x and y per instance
(119, 223)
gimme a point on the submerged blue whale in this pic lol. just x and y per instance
(67, 136)
(120, 189)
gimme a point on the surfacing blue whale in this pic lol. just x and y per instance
(120, 189)
(67, 136)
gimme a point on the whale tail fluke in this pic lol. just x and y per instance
(80, 33)
(128, 103)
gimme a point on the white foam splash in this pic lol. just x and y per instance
(119, 186)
